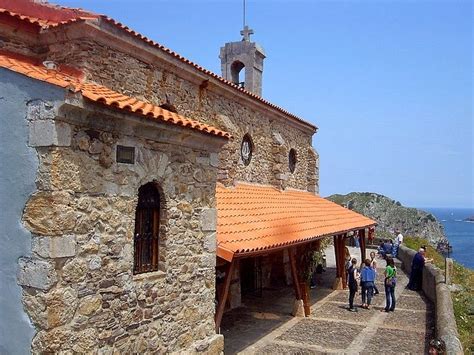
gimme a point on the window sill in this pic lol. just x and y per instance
(150, 276)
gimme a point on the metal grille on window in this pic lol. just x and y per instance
(292, 160)
(246, 150)
(147, 226)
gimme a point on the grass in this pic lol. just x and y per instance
(463, 300)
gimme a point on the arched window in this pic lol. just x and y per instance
(238, 75)
(246, 149)
(292, 160)
(147, 226)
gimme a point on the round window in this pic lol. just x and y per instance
(246, 150)
(292, 160)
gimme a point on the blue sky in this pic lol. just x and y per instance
(388, 83)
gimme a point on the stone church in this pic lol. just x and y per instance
(142, 194)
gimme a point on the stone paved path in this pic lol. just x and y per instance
(331, 328)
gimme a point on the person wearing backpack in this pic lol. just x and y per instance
(390, 283)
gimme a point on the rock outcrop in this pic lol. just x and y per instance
(391, 215)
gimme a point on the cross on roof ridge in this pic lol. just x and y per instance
(246, 32)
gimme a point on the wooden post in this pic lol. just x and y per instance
(362, 244)
(294, 274)
(225, 294)
(339, 262)
(336, 252)
(343, 260)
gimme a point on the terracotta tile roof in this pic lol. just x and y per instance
(256, 219)
(206, 71)
(49, 15)
(68, 78)
(44, 14)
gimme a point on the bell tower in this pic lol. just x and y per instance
(242, 62)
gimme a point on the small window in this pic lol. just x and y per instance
(147, 226)
(292, 160)
(125, 155)
(246, 150)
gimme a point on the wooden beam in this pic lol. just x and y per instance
(362, 244)
(294, 273)
(224, 295)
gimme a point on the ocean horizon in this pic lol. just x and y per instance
(460, 233)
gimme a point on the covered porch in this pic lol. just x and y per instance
(258, 223)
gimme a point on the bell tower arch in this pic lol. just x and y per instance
(242, 62)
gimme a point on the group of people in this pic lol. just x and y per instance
(390, 247)
(366, 276)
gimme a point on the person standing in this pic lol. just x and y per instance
(367, 277)
(416, 275)
(373, 265)
(356, 239)
(347, 263)
(389, 284)
(353, 279)
(398, 242)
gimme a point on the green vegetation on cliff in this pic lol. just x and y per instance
(391, 215)
(463, 300)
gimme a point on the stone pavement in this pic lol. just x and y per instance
(331, 328)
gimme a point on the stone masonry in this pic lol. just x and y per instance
(160, 83)
(78, 285)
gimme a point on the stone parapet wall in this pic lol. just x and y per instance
(159, 82)
(79, 289)
(437, 291)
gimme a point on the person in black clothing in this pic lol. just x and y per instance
(416, 276)
(353, 276)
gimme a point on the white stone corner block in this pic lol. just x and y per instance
(209, 220)
(210, 242)
(41, 110)
(45, 133)
(202, 160)
(36, 273)
(214, 160)
(55, 247)
(278, 139)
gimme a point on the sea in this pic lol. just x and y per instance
(459, 232)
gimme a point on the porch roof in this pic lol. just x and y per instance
(255, 219)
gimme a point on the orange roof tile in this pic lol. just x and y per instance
(50, 15)
(71, 79)
(256, 219)
(44, 14)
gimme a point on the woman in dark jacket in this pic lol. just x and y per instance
(353, 277)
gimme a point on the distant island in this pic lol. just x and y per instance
(469, 219)
(391, 215)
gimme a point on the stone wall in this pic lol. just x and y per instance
(159, 83)
(19, 164)
(78, 286)
(435, 288)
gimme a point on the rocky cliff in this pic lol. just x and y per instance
(391, 215)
